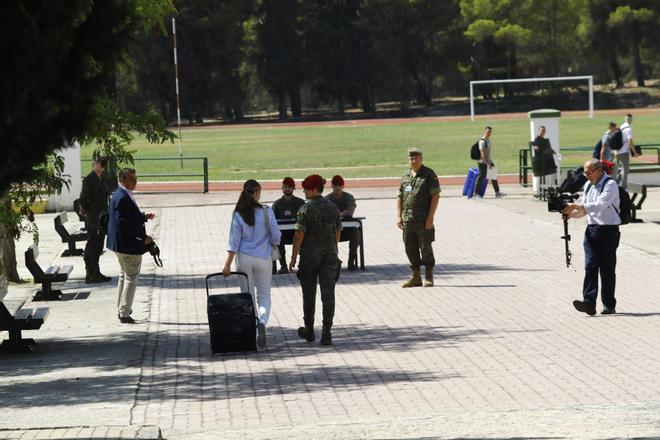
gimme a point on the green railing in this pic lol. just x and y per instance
(524, 160)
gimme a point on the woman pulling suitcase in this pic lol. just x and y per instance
(252, 235)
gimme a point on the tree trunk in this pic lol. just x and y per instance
(3, 278)
(296, 101)
(423, 94)
(8, 248)
(639, 70)
(616, 71)
(281, 106)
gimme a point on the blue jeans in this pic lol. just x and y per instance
(600, 244)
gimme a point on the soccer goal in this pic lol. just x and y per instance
(588, 78)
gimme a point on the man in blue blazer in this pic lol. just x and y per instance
(127, 238)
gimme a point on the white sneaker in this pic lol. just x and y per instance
(262, 338)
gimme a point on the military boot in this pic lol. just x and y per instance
(307, 333)
(428, 276)
(326, 336)
(415, 280)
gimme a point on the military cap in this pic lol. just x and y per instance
(288, 181)
(338, 180)
(313, 181)
(412, 151)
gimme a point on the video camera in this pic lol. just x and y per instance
(558, 200)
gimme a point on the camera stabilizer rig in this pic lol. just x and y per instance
(557, 201)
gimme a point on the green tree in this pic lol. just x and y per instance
(638, 26)
(63, 61)
(280, 52)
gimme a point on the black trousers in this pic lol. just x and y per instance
(600, 245)
(93, 247)
(483, 170)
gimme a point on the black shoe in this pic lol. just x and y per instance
(93, 280)
(103, 278)
(284, 270)
(127, 320)
(584, 307)
(607, 311)
(326, 337)
(307, 333)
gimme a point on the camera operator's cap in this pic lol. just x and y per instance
(412, 151)
(288, 181)
(313, 181)
(337, 180)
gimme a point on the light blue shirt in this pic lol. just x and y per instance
(605, 141)
(600, 202)
(254, 240)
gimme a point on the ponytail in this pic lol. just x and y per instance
(246, 202)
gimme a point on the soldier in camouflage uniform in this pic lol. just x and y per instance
(346, 205)
(318, 228)
(417, 202)
(286, 208)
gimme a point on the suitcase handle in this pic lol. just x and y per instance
(217, 274)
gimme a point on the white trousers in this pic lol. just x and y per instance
(260, 276)
(128, 276)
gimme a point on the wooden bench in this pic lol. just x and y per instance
(53, 274)
(14, 319)
(69, 236)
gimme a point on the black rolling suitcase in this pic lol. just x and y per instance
(232, 321)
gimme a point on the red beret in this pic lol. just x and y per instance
(288, 181)
(313, 181)
(338, 180)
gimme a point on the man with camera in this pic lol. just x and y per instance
(600, 204)
(128, 239)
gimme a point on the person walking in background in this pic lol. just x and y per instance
(606, 153)
(318, 228)
(601, 205)
(128, 239)
(627, 149)
(417, 201)
(252, 235)
(345, 203)
(485, 162)
(543, 162)
(286, 208)
(93, 202)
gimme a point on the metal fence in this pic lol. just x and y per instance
(524, 160)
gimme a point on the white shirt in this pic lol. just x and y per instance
(600, 201)
(627, 135)
(484, 145)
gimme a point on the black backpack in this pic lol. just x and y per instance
(475, 154)
(625, 204)
(597, 148)
(615, 141)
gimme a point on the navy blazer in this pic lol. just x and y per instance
(126, 230)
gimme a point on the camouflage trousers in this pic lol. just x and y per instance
(418, 243)
(324, 268)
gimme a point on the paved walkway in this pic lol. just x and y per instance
(494, 350)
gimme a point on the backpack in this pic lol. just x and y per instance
(475, 154)
(597, 148)
(625, 204)
(615, 141)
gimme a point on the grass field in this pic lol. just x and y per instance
(365, 150)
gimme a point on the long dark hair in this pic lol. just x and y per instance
(246, 202)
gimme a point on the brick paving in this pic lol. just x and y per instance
(495, 349)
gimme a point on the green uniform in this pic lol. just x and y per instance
(343, 203)
(415, 193)
(319, 220)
